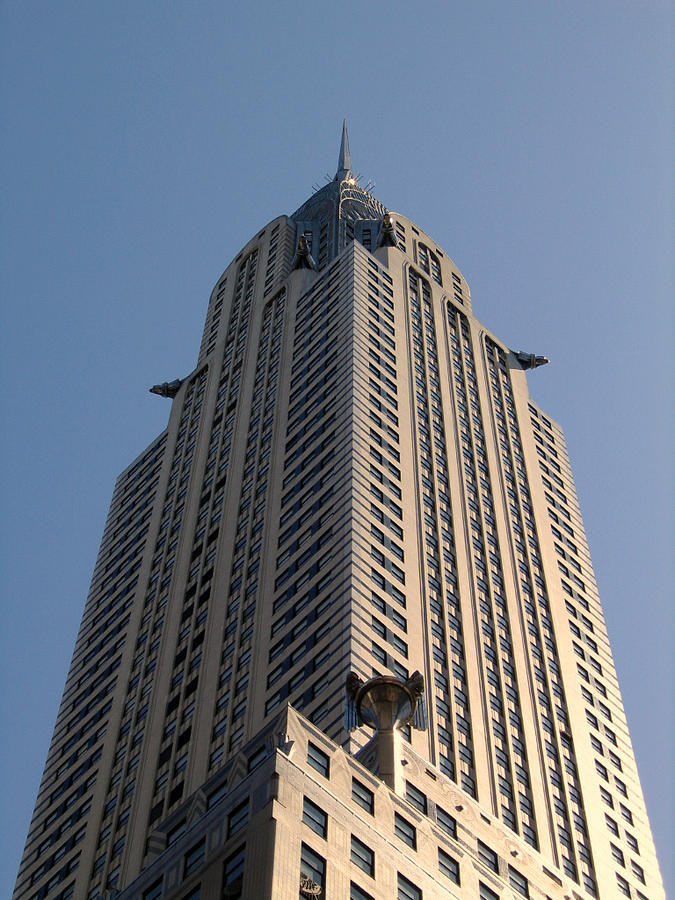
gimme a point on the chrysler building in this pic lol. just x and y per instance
(343, 637)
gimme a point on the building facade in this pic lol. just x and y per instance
(353, 479)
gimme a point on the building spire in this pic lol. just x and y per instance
(345, 159)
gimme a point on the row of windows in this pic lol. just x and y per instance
(384, 454)
(455, 743)
(502, 383)
(229, 716)
(363, 856)
(580, 619)
(541, 631)
(232, 878)
(313, 866)
(169, 784)
(271, 260)
(515, 798)
(129, 514)
(307, 504)
(598, 686)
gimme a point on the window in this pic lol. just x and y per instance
(623, 885)
(518, 882)
(595, 743)
(312, 868)
(314, 817)
(357, 893)
(154, 892)
(415, 797)
(257, 758)
(363, 857)
(176, 832)
(446, 822)
(626, 813)
(611, 824)
(615, 760)
(631, 841)
(448, 865)
(194, 858)
(486, 893)
(233, 873)
(620, 786)
(237, 818)
(488, 856)
(405, 831)
(318, 760)
(638, 871)
(193, 895)
(407, 890)
(216, 795)
(617, 854)
(363, 796)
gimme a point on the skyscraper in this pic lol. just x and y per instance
(354, 492)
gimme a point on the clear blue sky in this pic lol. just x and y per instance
(144, 143)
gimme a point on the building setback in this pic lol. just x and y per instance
(353, 479)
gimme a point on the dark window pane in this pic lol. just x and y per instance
(318, 760)
(362, 856)
(486, 893)
(407, 890)
(312, 867)
(488, 856)
(448, 865)
(518, 882)
(415, 797)
(194, 858)
(237, 818)
(363, 796)
(233, 873)
(314, 817)
(405, 830)
(154, 892)
(447, 822)
(357, 893)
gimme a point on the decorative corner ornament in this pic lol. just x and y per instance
(387, 233)
(303, 258)
(283, 742)
(167, 388)
(529, 360)
(406, 699)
